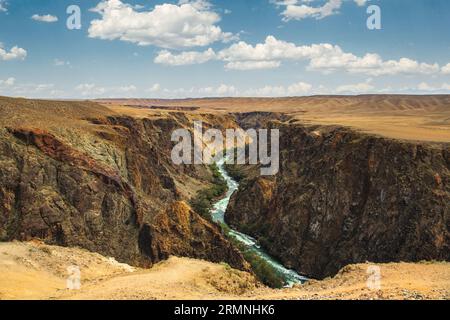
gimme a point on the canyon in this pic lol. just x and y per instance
(361, 179)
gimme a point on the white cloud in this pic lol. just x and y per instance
(321, 57)
(3, 6)
(299, 88)
(361, 3)
(252, 65)
(60, 63)
(266, 91)
(44, 18)
(228, 90)
(446, 69)
(197, 4)
(363, 87)
(31, 89)
(91, 90)
(127, 89)
(295, 89)
(444, 87)
(188, 24)
(8, 82)
(225, 90)
(15, 53)
(154, 88)
(184, 58)
(303, 9)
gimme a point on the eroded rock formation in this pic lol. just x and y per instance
(103, 182)
(344, 197)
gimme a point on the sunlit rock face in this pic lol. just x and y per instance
(103, 182)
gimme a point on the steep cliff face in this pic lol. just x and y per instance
(343, 197)
(180, 231)
(102, 181)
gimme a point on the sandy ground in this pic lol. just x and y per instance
(33, 270)
(406, 117)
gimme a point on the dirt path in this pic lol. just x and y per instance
(33, 270)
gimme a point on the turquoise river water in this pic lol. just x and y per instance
(218, 214)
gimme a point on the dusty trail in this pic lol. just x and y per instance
(33, 270)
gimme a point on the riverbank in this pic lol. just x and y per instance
(267, 269)
(32, 270)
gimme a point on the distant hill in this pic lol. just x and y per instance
(410, 117)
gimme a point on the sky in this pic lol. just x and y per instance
(218, 48)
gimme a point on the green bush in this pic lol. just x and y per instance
(262, 269)
(202, 203)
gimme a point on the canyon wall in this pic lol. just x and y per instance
(345, 197)
(102, 182)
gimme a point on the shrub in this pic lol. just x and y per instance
(263, 270)
(202, 203)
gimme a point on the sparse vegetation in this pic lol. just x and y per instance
(235, 171)
(203, 202)
(262, 269)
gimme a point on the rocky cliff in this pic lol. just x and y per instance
(343, 197)
(77, 174)
(80, 174)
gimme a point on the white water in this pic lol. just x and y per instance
(218, 213)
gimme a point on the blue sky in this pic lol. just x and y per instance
(196, 48)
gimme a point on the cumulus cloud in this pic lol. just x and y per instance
(299, 12)
(184, 58)
(48, 18)
(188, 24)
(321, 57)
(446, 69)
(7, 82)
(303, 9)
(15, 53)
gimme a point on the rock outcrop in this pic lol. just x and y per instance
(343, 197)
(102, 181)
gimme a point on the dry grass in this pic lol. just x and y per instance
(423, 118)
(34, 270)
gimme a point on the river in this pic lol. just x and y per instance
(218, 216)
